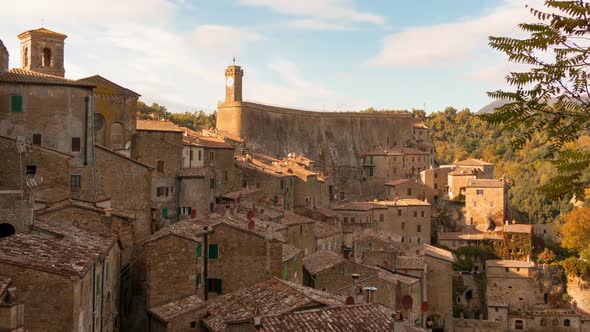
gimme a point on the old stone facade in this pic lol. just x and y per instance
(437, 182)
(486, 203)
(405, 188)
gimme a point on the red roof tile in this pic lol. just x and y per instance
(156, 125)
(289, 252)
(23, 76)
(176, 308)
(321, 260)
(195, 172)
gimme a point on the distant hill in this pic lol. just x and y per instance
(489, 108)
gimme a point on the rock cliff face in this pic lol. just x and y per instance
(334, 140)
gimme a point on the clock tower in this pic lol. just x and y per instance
(233, 83)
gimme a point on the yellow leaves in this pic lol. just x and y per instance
(575, 232)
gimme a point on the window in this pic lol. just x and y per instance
(191, 155)
(399, 212)
(199, 155)
(506, 269)
(160, 167)
(16, 104)
(518, 324)
(371, 171)
(198, 281)
(193, 325)
(164, 212)
(352, 220)
(567, 322)
(409, 191)
(97, 281)
(479, 192)
(214, 285)
(199, 250)
(543, 322)
(212, 183)
(415, 214)
(106, 274)
(381, 217)
(436, 186)
(346, 220)
(418, 240)
(282, 184)
(371, 160)
(46, 57)
(185, 210)
(31, 170)
(403, 239)
(225, 175)
(211, 155)
(75, 182)
(37, 139)
(214, 251)
(394, 170)
(419, 228)
(285, 271)
(162, 191)
(421, 213)
(403, 225)
(436, 175)
(75, 144)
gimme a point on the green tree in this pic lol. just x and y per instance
(552, 97)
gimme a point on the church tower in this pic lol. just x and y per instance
(42, 51)
(233, 83)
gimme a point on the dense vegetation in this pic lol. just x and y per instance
(196, 120)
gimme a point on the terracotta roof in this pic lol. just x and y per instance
(23, 76)
(518, 228)
(464, 171)
(260, 167)
(211, 144)
(229, 136)
(396, 182)
(108, 88)
(89, 206)
(156, 125)
(4, 282)
(382, 235)
(473, 162)
(290, 218)
(124, 156)
(392, 151)
(359, 206)
(71, 250)
(242, 193)
(409, 263)
(351, 318)
(508, 263)
(326, 212)
(176, 308)
(289, 252)
(485, 183)
(270, 297)
(190, 230)
(42, 30)
(469, 236)
(321, 260)
(323, 230)
(437, 252)
(195, 172)
(405, 201)
(240, 222)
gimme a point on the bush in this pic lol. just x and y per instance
(575, 267)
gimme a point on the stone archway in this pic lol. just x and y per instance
(6, 230)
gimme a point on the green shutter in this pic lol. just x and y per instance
(16, 104)
(370, 171)
(198, 280)
(218, 286)
(199, 250)
(164, 212)
(213, 251)
(285, 271)
(371, 158)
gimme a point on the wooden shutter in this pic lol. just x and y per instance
(16, 104)
(199, 250)
(213, 251)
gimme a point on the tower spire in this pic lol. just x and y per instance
(234, 60)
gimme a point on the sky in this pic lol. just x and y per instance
(327, 55)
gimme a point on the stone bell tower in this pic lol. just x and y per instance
(42, 51)
(233, 83)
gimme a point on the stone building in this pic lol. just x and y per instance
(175, 263)
(407, 217)
(269, 297)
(279, 131)
(357, 216)
(385, 164)
(300, 231)
(436, 181)
(292, 264)
(327, 237)
(219, 157)
(11, 310)
(115, 110)
(67, 278)
(159, 144)
(405, 188)
(486, 203)
(486, 170)
(195, 191)
(458, 179)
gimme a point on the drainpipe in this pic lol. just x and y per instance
(93, 297)
(87, 111)
(205, 262)
(103, 277)
(179, 187)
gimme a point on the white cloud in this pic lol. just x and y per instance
(223, 40)
(319, 14)
(449, 43)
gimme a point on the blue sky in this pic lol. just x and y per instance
(313, 54)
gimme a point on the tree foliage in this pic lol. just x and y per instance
(575, 232)
(546, 256)
(196, 120)
(552, 97)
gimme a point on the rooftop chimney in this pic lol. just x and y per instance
(370, 291)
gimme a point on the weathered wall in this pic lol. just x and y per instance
(333, 139)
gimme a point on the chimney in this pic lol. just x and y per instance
(355, 279)
(257, 318)
(107, 222)
(370, 291)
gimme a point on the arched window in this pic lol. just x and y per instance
(6, 230)
(543, 322)
(99, 132)
(518, 325)
(567, 322)
(117, 136)
(46, 58)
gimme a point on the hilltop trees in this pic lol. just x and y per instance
(551, 100)
(197, 120)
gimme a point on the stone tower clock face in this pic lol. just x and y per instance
(229, 82)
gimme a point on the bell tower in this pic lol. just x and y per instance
(42, 51)
(233, 83)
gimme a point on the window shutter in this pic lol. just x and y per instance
(213, 251)
(218, 286)
(285, 271)
(199, 250)
(164, 212)
(16, 104)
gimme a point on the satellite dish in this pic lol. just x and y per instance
(407, 302)
(128, 145)
(250, 214)
(417, 251)
(349, 300)
(251, 224)
(424, 306)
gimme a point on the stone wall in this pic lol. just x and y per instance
(334, 140)
(475, 325)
